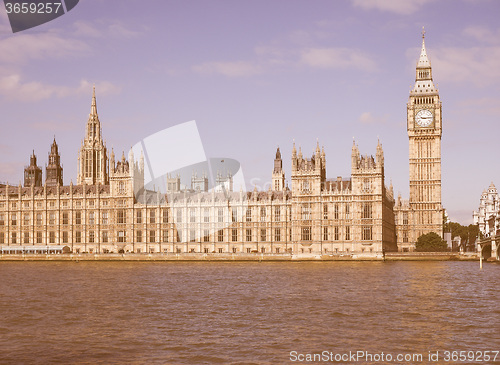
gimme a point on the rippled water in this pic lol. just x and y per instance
(242, 313)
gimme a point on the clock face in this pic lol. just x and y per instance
(424, 118)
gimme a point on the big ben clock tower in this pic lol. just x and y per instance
(424, 126)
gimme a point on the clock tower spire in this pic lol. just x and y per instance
(424, 126)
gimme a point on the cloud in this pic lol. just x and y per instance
(118, 29)
(85, 29)
(230, 69)
(25, 46)
(368, 118)
(475, 65)
(105, 28)
(486, 105)
(482, 34)
(404, 7)
(52, 126)
(13, 88)
(340, 58)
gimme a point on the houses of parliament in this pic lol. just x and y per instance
(109, 210)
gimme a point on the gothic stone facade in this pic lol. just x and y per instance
(423, 212)
(109, 211)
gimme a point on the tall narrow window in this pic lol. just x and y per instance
(263, 214)
(121, 217)
(277, 214)
(249, 214)
(277, 234)
(366, 233)
(65, 219)
(367, 210)
(306, 233)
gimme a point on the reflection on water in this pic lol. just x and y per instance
(195, 313)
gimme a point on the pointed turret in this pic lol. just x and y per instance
(93, 159)
(141, 162)
(294, 157)
(354, 155)
(380, 154)
(278, 175)
(423, 61)
(93, 107)
(423, 77)
(32, 173)
(131, 157)
(54, 170)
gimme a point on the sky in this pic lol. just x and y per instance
(256, 75)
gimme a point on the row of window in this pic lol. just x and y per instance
(65, 204)
(151, 235)
(366, 233)
(121, 216)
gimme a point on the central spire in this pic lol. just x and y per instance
(93, 108)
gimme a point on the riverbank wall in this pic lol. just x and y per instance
(392, 256)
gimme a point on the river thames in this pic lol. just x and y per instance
(246, 313)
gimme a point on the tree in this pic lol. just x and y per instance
(430, 242)
(468, 234)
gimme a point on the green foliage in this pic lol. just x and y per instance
(468, 234)
(431, 242)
